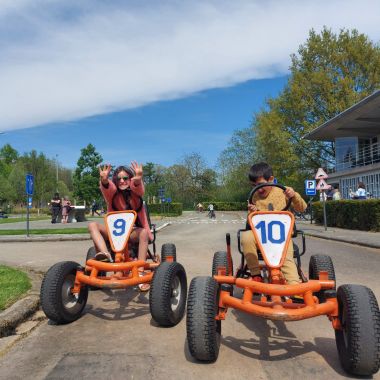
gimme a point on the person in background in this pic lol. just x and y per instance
(336, 194)
(56, 205)
(66, 207)
(361, 192)
(200, 207)
(94, 208)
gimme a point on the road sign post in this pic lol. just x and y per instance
(322, 186)
(29, 189)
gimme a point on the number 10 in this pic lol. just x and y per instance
(267, 232)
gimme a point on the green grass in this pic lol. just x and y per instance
(45, 231)
(13, 285)
(22, 219)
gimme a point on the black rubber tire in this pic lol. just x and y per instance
(358, 343)
(203, 330)
(57, 302)
(221, 260)
(167, 307)
(91, 255)
(168, 249)
(321, 263)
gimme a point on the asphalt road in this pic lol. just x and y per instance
(117, 339)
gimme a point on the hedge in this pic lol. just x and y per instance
(227, 206)
(173, 209)
(352, 214)
(22, 210)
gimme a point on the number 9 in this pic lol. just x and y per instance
(119, 224)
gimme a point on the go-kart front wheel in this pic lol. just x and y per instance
(57, 301)
(358, 341)
(203, 330)
(168, 293)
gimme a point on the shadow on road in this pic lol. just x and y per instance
(129, 304)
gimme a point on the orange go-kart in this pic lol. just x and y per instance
(65, 286)
(352, 309)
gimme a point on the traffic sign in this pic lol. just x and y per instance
(321, 174)
(29, 184)
(322, 185)
(310, 187)
(30, 200)
(168, 200)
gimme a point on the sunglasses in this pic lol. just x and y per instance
(122, 178)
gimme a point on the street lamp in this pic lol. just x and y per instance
(56, 166)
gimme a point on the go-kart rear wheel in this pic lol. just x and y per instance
(203, 330)
(91, 256)
(168, 293)
(168, 250)
(220, 260)
(358, 342)
(321, 263)
(57, 301)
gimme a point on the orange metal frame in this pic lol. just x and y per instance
(269, 303)
(125, 270)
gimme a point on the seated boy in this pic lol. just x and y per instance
(261, 173)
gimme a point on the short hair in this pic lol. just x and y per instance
(262, 169)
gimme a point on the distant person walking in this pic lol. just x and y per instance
(94, 208)
(200, 207)
(56, 205)
(211, 212)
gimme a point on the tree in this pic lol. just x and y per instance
(86, 175)
(8, 154)
(234, 163)
(44, 176)
(329, 74)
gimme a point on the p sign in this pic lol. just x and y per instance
(311, 187)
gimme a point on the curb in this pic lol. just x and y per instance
(22, 309)
(342, 240)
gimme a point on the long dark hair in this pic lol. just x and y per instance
(126, 193)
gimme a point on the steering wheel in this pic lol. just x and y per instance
(253, 191)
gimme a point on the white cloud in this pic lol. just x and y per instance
(63, 61)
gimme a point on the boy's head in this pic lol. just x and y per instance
(261, 173)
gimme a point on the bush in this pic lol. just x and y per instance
(173, 209)
(352, 214)
(22, 210)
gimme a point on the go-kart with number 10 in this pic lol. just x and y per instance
(352, 309)
(65, 286)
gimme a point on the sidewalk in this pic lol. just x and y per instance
(363, 238)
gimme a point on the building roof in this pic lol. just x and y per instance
(362, 120)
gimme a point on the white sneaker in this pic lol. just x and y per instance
(104, 256)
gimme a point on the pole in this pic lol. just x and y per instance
(56, 167)
(311, 210)
(27, 215)
(324, 210)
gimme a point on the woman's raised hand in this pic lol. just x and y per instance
(104, 172)
(138, 169)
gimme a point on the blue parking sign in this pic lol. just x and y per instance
(29, 184)
(311, 187)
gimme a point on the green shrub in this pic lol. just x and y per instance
(172, 209)
(227, 206)
(352, 214)
(22, 210)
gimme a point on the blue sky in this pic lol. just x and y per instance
(150, 80)
(162, 132)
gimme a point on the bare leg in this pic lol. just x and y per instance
(98, 234)
(141, 235)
